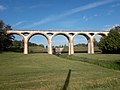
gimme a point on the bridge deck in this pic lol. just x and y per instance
(65, 30)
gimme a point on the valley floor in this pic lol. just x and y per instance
(41, 71)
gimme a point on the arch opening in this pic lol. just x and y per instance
(38, 43)
(71, 34)
(25, 33)
(60, 43)
(81, 43)
(17, 43)
(49, 34)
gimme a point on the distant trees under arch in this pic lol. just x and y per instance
(39, 45)
(80, 43)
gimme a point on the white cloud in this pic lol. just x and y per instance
(18, 23)
(88, 6)
(110, 26)
(69, 12)
(85, 18)
(43, 21)
(2, 8)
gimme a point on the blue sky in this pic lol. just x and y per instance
(60, 15)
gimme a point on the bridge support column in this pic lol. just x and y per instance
(91, 45)
(25, 45)
(49, 46)
(88, 46)
(69, 52)
(71, 47)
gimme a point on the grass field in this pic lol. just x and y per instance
(49, 72)
(111, 61)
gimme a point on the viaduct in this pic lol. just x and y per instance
(50, 34)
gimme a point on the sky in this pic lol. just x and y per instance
(99, 15)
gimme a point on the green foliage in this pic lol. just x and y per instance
(32, 44)
(79, 45)
(17, 43)
(5, 40)
(41, 45)
(110, 43)
(37, 49)
(96, 43)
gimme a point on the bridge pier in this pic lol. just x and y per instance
(69, 51)
(25, 45)
(49, 46)
(91, 45)
(71, 46)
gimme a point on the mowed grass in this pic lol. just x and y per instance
(48, 72)
(111, 61)
(99, 56)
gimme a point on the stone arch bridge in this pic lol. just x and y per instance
(50, 34)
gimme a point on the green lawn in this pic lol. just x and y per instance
(111, 61)
(48, 72)
(99, 56)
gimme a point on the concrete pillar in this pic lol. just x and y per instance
(25, 45)
(91, 45)
(72, 46)
(69, 52)
(88, 46)
(49, 46)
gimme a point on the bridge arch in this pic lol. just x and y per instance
(17, 42)
(84, 36)
(65, 35)
(102, 34)
(38, 34)
(42, 36)
(16, 33)
(11, 33)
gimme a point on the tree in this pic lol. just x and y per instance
(5, 40)
(117, 28)
(110, 43)
(32, 44)
(41, 45)
(17, 43)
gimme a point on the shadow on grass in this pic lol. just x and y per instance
(67, 81)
